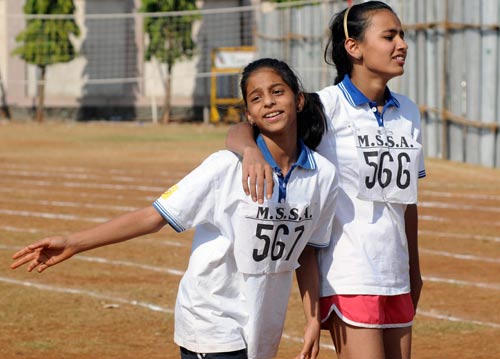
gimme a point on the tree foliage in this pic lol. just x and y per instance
(46, 41)
(170, 38)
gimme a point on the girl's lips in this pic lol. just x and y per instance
(400, 59)
(272, 114)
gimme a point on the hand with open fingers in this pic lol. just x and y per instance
(257, 175)
(43, 254)
(310, 349)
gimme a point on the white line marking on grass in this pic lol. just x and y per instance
(83, 292)
(20, 230)
(67, 217)
(459, 235)
(433, 314)
(69, 204)
(462, 282)
(467, 257)
(178, 272)
(482, 196)
(175, 272)
(301, 340)
(106, 186)
(67, 169)
(447, 220)
(39, 193)
(456, 206)
(88, 293)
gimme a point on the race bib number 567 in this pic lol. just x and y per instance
(270, 237)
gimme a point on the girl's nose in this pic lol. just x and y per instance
(269, 100)
(402, 44)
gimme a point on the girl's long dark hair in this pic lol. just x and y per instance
(311, 121)
(357, 23)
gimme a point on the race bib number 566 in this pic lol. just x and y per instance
(388, 165)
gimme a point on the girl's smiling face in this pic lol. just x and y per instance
(383, 48)
(271, 103)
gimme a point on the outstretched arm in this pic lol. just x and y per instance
(53, 250)
(308, 281)
(411, 227)
(256, 171)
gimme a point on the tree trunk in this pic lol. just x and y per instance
(41, 96)
(5, 112)
(165, 117)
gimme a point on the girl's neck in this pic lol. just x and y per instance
(372, 87)
(284, 150)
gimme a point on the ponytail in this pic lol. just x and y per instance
(356, 22)
(311, 121)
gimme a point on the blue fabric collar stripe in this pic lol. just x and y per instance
(305, 159)
(357, 98)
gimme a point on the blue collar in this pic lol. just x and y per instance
(305, 159)
(356, 97)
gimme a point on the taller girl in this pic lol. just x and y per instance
(370, 275)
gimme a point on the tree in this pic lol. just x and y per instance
(170, 38)
(46, 40)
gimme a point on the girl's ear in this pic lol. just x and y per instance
(300, 101)
(352, 49)
(249, 118)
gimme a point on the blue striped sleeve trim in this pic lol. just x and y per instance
(178, 227)
(422, 174)
(315, 245)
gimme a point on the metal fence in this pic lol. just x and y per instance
(452, 70)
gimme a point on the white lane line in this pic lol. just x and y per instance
(493, 286)
(467, 257)
(88, 293)
(157, 308)
(92, 294)
(69, 204)
(66, 217)
(459, 235)
(435, 315)
(458, 207)
(101, 260)
(68, 169)
(106, 186)
(39, 193)
(447, 220)
(475, 195)
(178, 272)
(20, 230)
(166, 242)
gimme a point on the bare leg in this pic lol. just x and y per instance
(397, 343)
(354, 342)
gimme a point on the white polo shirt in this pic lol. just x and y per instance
(379, 160)
(235, 291)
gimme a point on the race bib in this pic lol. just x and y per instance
(388, 165)
(270, 237)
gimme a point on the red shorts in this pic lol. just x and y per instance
(370, 311)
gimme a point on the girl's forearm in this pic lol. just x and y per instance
(127, 226)
(308, 282)
(239, 137)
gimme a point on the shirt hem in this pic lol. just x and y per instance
(210, 348)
